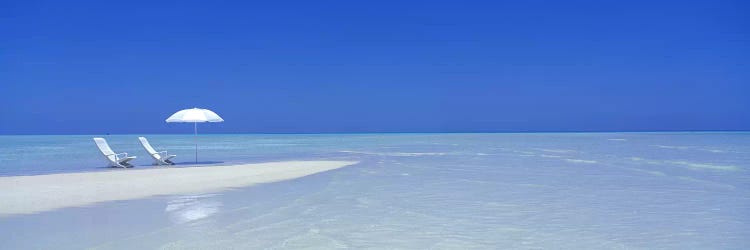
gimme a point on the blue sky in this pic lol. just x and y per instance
(94, 67)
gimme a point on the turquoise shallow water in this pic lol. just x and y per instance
(441, 191)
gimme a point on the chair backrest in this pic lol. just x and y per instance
(148, 147)
(105, 149)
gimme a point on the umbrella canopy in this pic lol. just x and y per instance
(195, 115)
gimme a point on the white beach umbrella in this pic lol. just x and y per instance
(195, 115)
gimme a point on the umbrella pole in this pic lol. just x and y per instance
(195, 128)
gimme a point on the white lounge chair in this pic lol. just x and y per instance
(160, 158)
(115, 160)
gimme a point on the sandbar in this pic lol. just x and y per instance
(39, 193)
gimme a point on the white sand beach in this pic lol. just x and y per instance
(32, 194)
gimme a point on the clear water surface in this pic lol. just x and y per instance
(413, 191)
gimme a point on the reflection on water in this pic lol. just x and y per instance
(183, 209)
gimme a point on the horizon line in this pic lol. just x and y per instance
(422, 132)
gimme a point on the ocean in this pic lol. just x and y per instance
(686, 190)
